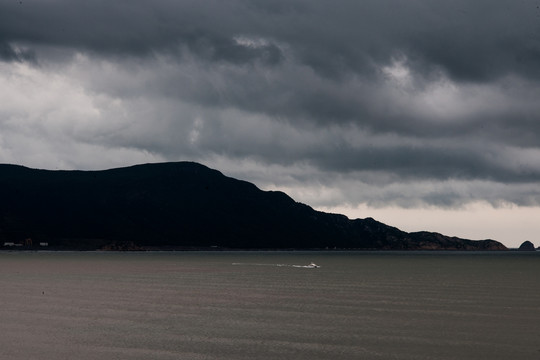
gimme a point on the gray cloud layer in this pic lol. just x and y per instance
(417, 102)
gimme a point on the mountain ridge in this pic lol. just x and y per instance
(182, 205)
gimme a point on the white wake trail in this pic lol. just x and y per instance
(310, 266)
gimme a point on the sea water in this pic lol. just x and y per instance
(266, 305)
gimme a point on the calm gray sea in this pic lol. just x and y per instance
(257, 305)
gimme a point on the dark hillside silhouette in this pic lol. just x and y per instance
(181, 205)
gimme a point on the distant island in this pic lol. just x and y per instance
(181, 206)
(527, 246)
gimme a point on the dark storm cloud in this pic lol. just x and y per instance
(9, 53)
(427, 90)
(134, 28)
(470, 41)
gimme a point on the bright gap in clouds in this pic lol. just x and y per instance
(511, 225)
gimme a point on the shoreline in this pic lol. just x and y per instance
(218, 250)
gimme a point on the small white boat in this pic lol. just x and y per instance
(313, 266)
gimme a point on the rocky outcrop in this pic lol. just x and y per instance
(526, 246)
(183, 205)
(434, 241)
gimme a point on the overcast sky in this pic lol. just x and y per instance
(424, 114)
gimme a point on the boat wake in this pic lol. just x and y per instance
(310, 266)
